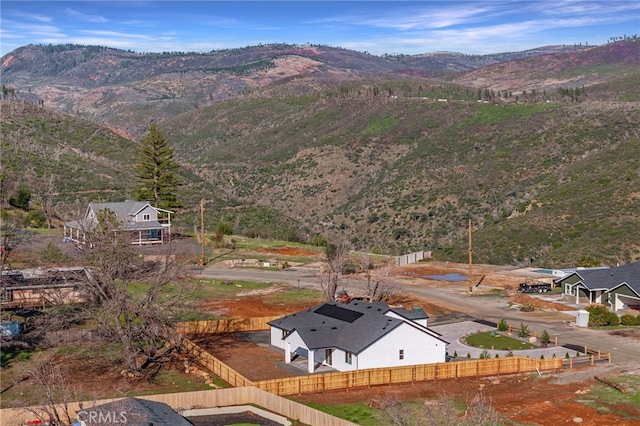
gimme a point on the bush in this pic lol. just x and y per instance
(599, 316)
(630, 320)
(21, 199)
(53, 254)
(224, 228)
(544, 338)
(502, 325)
(35, 219)
(523, 331)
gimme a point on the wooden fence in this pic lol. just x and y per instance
(225, 325)
(336, 381)
(198, 399)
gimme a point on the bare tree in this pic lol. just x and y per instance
(11, 236)
(43, 190)
(380, 287)
(336, 257)
(131, 298)
(55, 392)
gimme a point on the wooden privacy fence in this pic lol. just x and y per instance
(351, 379)
(214, 365)
(225, 326)
(317, 383)
(199, 399)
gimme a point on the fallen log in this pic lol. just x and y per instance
(617, 386)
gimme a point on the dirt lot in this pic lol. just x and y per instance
(526, 399)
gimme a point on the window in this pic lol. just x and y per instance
(146, 217)
(328, 356)
(348, 358)
(401, 354)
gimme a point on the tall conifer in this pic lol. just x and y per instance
(156, 173)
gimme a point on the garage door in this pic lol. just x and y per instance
(627, 302)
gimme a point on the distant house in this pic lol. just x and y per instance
(146, 224)
(618, 287)
(30, 288)
(357, 336)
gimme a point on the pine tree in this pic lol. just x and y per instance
(156, 174)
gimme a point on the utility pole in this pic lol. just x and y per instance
(470, 259)
(202, 231)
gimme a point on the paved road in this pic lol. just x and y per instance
(464, 305)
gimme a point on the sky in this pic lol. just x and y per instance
(376, 27)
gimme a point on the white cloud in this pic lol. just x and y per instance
(96, 19)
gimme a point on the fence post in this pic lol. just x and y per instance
(592, 357)
(556, 341)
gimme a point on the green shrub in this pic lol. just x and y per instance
(544, 338)
(53, 254)
(21, 199)
(523, 331)
(629, 320)
(600, 316)
(502, 325)
(35, 219)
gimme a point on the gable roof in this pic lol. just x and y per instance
(138, 412)
(351, 327)
(607, 279)
(123, 209)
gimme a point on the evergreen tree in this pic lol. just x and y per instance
(156, 171)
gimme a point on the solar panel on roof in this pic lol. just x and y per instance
(339, 313)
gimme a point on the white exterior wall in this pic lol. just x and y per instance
(298, 347)
(276, 337)
(419, 348)
(339, 361)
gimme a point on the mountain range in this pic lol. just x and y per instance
(540, 149)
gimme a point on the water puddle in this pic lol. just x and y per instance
(447, 277)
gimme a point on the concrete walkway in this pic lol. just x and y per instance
(453, 333)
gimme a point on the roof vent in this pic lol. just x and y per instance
(313, 329)
(334, 328)
(368, 307)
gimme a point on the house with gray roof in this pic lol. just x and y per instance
(146, 224)
(357, 336)
(618, 287)
(131, 411)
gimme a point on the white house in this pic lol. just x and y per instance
(146, 224)
(357, 336)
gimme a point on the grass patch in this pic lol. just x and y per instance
(357, 413)
(295, 296)
(604, 399)
(491, 339)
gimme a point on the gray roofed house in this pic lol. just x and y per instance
(132, 411)
(146, 224)
(358, 335)
(618, 287)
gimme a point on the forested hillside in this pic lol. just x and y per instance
(546, 167)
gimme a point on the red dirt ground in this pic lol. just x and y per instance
(526, 399)
(287, 251)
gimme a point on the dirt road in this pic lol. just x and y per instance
(453, 302)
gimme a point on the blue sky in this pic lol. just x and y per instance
(377, 27)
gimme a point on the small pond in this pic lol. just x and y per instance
(447, 277)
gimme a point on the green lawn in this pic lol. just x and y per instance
(358, 413)
(491, 339)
